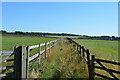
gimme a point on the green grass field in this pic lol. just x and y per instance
(8, 42)
(101, 48)
(62, 60)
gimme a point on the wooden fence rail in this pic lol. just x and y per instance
(102, 67)
(22, 59)
(5, 60)
(92, 61)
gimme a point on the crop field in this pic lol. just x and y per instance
(8, 42)
(101, 48)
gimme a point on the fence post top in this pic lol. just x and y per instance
(93, 55)
(87, 51)
(82, 46)
(16, 47)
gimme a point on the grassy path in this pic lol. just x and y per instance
(62, 62)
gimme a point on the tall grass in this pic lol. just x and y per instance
(62, 62)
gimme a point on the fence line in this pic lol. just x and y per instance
(92, 61)
(41, 52)
(4, 60)
(22, 58)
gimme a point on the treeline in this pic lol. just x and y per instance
(37, 33)
(100, 37)
(60, 34)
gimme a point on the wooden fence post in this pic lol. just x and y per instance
(49, 47)
(77, 48)
(89, 67)
(45, 50)
(39, 50)
(83, 50)
(53, 44)
(80, 49)
(20, 62)
(92, 66)
(27, 61)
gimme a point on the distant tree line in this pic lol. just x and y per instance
(100, 37)
(37, 33)
(60, 34)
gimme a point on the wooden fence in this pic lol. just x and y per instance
(91, 61)
(22, 59)
(6, 59)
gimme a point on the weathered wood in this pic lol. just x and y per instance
(106, 69)
(8, 60)
(45, 49)
(39, 50)
(49, 47)
(92, 68)
(6, 52)
(43, 44)
(77, 48)
(3, 75)
(118, 72)
(80, 49)
(24, 53)
(6, 67)
(20, 62)
(36, 46)
(89, 67)
(106, 61)
(17, 65)
(53, 44)
(36, 55)
(83, 51)
(27, 62)
(104, 76)
(4, 59)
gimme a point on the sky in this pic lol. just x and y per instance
(84, 18)
(60, 0)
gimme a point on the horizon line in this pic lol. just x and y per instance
(62, 32)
